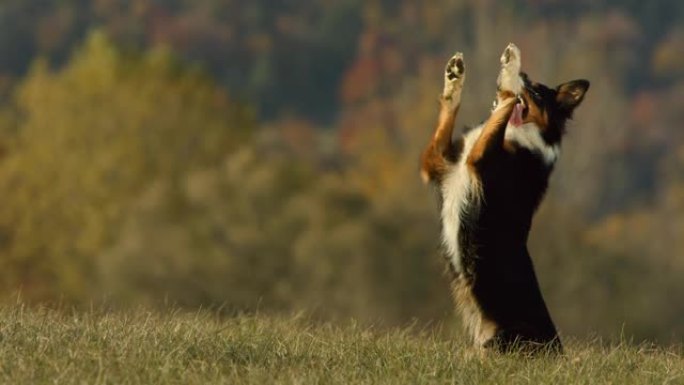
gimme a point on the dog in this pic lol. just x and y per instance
(490, 182)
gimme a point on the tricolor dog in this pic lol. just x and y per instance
(490, 182)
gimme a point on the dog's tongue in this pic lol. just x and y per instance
(516, 117)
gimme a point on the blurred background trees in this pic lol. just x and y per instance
(263, 155)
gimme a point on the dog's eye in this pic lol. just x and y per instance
(534, 94)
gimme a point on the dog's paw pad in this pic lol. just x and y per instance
(511, 56)
(509, 77)
(454, 76)
(455, 68)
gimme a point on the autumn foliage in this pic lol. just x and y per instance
(263, 156)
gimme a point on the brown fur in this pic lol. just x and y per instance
(492, 137)
(440, 148)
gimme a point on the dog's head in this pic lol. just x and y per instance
(546, 108)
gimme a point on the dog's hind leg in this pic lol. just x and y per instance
(441, 150)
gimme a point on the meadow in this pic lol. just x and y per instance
(41, 345)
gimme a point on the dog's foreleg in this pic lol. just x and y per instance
(440, 150)
(491, 140)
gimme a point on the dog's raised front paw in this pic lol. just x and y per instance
(511, 57)
(454, 77)
(509, 77)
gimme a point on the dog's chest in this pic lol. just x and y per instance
(462, 192)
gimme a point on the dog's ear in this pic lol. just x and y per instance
(570, 95)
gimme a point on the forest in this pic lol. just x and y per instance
(262, 156)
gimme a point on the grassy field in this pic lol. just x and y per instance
(47, 346)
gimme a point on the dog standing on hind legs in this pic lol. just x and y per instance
(490, 182)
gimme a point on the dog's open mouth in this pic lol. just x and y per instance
(519, 112)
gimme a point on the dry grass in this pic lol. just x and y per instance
(97, 347)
